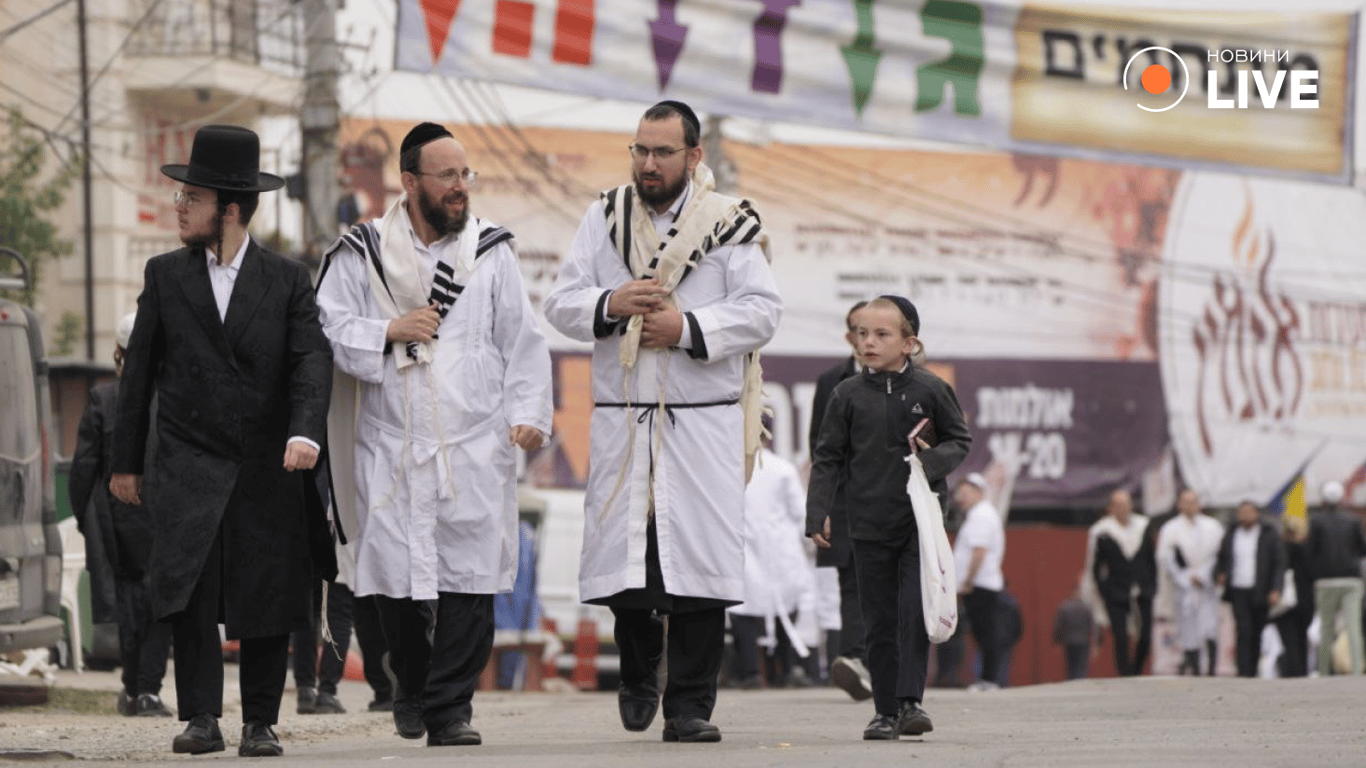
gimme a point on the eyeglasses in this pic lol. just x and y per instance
(640, 153)
(188, 199)
(450, 175)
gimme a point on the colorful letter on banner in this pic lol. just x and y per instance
(1025, 78)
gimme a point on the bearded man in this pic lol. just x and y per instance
(227, 337)
(671, 283)
(442, 373)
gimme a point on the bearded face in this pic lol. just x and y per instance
(656, 187)
(438, 210)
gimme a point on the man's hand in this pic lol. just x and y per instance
(300, 455)
(1273, 598)
(822, 539)
(126, 488)
(662, 329)
(526, 438)
(638, 297)
(418, 325)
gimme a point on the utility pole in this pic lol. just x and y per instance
(86, 199)
(319, 123)
(722, 167)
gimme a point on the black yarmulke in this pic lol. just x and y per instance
(421, 134)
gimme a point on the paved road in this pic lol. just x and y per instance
(1163, 722)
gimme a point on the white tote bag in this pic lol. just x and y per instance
(938, 577)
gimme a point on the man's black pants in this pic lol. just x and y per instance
(980, 605)
(440, 670)
(1118, 612)
(144, 645)
(199, 655)
(323, 671)
(894, 620)
(1249, 618)
(370, 636)
(696, 642)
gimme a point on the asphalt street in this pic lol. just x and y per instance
(1090, 723)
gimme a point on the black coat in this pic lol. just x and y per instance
(863, 448)
(1270, 562)
(118, 536)
(840, 551)
(231, 393)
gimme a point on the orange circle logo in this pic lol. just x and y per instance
(1156, 78)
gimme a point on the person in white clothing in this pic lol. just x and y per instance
(670, 281)
(442, 373)
(978, 550)
(1115, 582)
(777, 574)
(1188, 550)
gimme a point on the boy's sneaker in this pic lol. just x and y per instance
(912, 720)
(881, 728)
(849, 673)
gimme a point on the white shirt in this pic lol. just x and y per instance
(222, 278)
(981, 528)
(1244, 568)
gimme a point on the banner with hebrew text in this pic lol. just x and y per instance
(1257, 92)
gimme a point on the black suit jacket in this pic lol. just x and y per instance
(1270, 561)
(841, 551)
(231, 393)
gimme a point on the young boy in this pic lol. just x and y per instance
(864, 440)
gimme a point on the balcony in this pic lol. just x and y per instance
(217, 56)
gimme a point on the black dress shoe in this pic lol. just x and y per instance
(127, 705)
(200, 736)
(327, 704)
(259, 740)
(881, 728)
(637, 707)
(308, 700)
(912, 720)
(408, 719)
(151, 705)
(690, 728)
(454, 734)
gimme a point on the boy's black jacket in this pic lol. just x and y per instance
(863, 441)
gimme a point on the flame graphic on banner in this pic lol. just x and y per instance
(1249, 369)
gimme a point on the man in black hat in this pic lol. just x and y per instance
(443, 374)
(227, 333)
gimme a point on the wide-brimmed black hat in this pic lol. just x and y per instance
(225, 157)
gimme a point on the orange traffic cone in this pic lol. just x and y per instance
(586, 656)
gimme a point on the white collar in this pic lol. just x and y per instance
(236, 263)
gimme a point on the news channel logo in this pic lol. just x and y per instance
(1243, 84)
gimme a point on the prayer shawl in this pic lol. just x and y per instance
(396, 281)
(1129, 538)
(708, 220)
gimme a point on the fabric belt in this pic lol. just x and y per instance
(669, 408)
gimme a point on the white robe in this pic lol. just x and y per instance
(777, 574)
(1197, 606)
(435, 470)
(699, 471)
